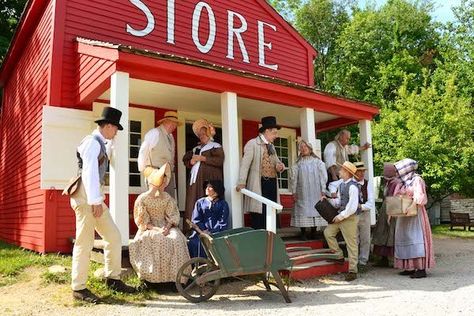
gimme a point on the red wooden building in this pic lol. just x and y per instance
(229, 61)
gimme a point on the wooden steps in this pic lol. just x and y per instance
(311, 260)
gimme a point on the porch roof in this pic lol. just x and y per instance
(333, 111)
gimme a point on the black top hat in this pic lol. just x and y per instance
(218, 187)
(267, 123)
(112, 116)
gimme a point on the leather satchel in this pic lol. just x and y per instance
(400, 206)
(72, 186)
(326, 210)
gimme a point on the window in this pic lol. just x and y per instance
(134, 142)
(283, 153)
(285, 147)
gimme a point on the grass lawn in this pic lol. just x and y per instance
(15, 261)
(457, 232)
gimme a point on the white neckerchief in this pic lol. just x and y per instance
(264, 139)
(195, 168)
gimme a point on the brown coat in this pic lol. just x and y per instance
(211, 169)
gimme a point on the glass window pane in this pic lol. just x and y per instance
(133, 165)
(284, 174)
(135, 127)
(284, 184)
(285, 161)
(284, 152)
(135, 139)
(135, 180)
(284, 142)
(134, 151)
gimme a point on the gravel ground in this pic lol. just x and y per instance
(449, 290)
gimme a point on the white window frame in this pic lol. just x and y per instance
(147, 118)
(289, 134)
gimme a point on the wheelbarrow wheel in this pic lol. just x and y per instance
(192, 270)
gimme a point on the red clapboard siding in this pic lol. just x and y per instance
(107, 20)
(22, 214)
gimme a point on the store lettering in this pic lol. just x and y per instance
(235, 33)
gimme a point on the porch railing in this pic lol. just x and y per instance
(272, 208)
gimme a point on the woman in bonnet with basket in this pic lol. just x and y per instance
(413, 242)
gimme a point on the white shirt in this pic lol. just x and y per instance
(330, 153)
(152, 137)
(353, 203)
(89, 151)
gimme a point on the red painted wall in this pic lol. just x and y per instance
(22, 215)
(107, 21)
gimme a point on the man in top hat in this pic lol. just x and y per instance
(338, 151)
(158, 147)
(367, 203)
(91, 212)
(347, 202)
(258, 170)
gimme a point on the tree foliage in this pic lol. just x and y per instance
(418, 71)
(435, 128)
(10, 12)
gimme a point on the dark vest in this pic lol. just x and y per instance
(344, 192)
(102, 159)
(363, 195)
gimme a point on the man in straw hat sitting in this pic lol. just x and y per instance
(91, 212)
(158, 147)
(347, 202)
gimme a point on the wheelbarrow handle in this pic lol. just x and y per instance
(195, 227)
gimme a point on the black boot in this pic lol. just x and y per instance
(119, 286)
(86, 296)
(418, 274)
(303, 234)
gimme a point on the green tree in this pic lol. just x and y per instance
(321, 23)
(286, 8)
(435, 128)
(380, 48)
(10, 12)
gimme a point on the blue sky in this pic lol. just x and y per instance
(442, 12)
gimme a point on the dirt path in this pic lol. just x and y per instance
(449, 290)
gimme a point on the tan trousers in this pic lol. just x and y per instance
(86, 224)
(348, 228)
(364, 237)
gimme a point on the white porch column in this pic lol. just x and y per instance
(308, 129)
(118, 187)
(367, 156)
(230, 143)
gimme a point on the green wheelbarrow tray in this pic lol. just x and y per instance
(232, 253)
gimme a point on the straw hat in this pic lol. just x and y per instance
(198, 124)
(157, 176)
(360, 165)
(170, 116)
(349, 167)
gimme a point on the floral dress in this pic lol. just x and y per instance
(155, 257)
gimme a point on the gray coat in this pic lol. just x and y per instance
(250, 172)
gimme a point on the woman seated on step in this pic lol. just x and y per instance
(159, 248)
(210, 214)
